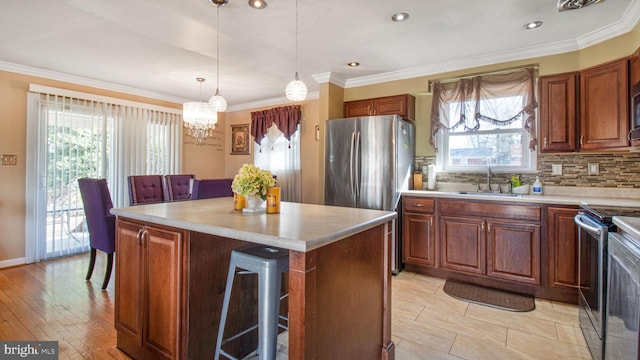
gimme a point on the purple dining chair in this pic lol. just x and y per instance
(100, 222)
(146, 189)
(211, 188)
(179, 186)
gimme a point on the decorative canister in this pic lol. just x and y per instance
(239, 202)
(273, 200)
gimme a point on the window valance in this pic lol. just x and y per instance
(286, 118)
(476, 96)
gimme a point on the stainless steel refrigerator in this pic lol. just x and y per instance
(368, 163)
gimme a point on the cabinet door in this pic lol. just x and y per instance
(358, 108)
(513, 251)
(634, 67)
(562, 238)
(402, 105)
(558, 94)
(418, 243)
(162, 324)
(129, 278)
(604, 110)
(462, 244)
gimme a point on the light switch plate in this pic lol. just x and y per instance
(556, 169)
(8, 160)
(593, 168)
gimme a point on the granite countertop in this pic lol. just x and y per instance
(557, 195)
(298, 227)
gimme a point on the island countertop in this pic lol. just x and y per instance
(298, 227)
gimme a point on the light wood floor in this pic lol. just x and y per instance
(51, 301)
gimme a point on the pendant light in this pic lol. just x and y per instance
(198, 117)
(296, 90)
(217, 102)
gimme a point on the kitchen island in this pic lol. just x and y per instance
(172, 261)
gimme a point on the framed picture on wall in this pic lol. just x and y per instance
(240, 143)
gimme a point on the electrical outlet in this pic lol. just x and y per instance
(556, 169)
(7, 160)
(593, 168)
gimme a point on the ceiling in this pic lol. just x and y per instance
(157, 48)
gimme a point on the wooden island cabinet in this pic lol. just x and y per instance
(172, 267)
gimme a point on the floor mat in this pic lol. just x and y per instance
(490, 297)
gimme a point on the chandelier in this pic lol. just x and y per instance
(296, 90)
(217, 102)
(199, 119)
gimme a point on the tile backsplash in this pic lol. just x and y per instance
(620, 170)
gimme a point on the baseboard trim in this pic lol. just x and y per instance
(12, 262)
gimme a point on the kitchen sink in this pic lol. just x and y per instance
(486, 193)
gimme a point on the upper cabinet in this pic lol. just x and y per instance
(634, 68)
(558, 96)
(592, 104)
(604, 106)
(403, 105)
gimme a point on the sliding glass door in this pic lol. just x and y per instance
(69, 138)
(75, 142)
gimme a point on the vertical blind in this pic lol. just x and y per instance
(82, 135)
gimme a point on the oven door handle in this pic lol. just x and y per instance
(580, 220)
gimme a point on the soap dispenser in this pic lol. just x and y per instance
(537, 186)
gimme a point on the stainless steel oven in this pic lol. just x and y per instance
(592, 258)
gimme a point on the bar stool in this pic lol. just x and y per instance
(269, 263)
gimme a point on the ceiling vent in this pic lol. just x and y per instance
(575, 4)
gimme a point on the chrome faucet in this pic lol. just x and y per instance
(489, 174)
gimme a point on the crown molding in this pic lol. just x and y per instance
(333, 78)
(628, 22)
(79, 80)
(269, 102)
(466, 63)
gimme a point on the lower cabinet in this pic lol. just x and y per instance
(513, 251)
(149, 297)
(562, 237)
(504, 250)
(463, 244)
(419, 235)
(486, 240)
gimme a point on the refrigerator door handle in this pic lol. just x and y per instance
(357, 171)
(353, 139)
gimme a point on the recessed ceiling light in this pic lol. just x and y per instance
(353, 64)
(258, 4)
(533, 25)
(397, 17)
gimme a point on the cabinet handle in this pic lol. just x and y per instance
(418, 205)
(431, 221)
(545, 142)
(489, 228)
(139, 236)
(581, 139)
(482, 226)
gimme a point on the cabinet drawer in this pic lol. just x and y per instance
(491, 210)
(414, 204)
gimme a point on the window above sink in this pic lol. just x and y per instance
(485, 121)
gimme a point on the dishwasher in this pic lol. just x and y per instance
(623, 298)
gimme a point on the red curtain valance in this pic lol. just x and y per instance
(286, 118)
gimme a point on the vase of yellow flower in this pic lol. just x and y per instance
(252, 183)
